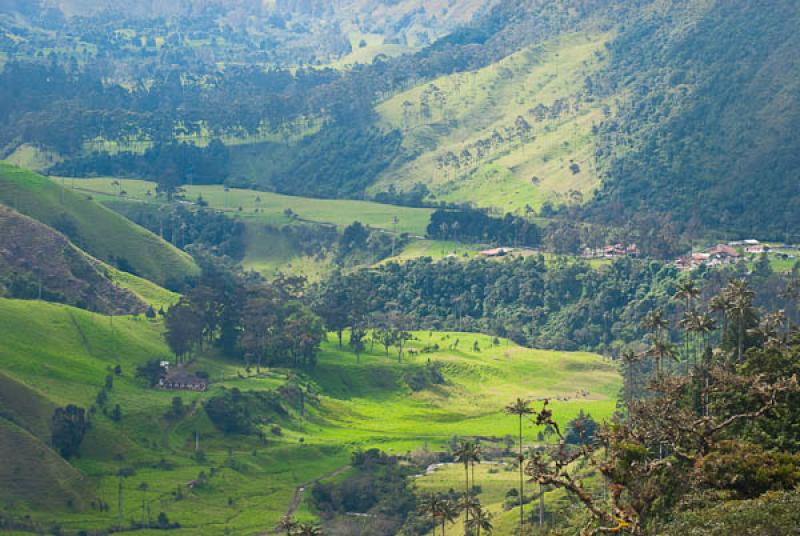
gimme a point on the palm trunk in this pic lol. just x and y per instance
(466, 497)
(521, 484)
(741, 335)
(541, 506)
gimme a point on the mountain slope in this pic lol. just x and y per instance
(505, 136)
(708, 129)
(35, 260)
(94, 228)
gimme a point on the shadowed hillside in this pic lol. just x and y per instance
(94, 228)
(36, 261)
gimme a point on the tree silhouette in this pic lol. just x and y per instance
(520, 408)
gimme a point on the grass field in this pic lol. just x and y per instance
(466, 108)
(53, 355)
(271, 208)
(92, 227)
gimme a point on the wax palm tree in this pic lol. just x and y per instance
(688, 291)
(520, 408)
(705, 326)
(430, 505)
(741, 305)
(448, 513)
(659, 351)
(476, 458)
(720, 304)
(629, 358)
(481, 521)
(791, 293)
(655, 321)
(287, 524)
(467, 504)
(467, 453)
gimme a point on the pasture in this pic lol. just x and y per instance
(53, 355)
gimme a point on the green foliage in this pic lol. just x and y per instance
(746, 470)
(773, 513)
(69, 426)
(237, 412)
(476, 226)
(700, 123)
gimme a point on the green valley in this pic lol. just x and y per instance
(250, 481)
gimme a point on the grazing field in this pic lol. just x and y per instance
(271, 208)
(92, 227)
(247, 482)
(479, 112)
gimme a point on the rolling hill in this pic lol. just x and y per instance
(94, 228)
(36, 261)
(360, 404)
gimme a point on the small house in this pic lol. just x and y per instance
(179, 379)
(496, 252)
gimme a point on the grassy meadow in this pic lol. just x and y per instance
(53, 355)
(270, 207)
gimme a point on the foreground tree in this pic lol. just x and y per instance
(662, 450)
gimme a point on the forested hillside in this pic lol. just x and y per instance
(683, 107)
(705, 130)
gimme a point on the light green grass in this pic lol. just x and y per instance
(99, 231)
(271, 207)
(54, 355)
(149, 292)
(478, 103)
(30, 157)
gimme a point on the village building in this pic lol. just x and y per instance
(715, 256)
(613, 251)
(757, 249)
(496, 252)
(180, 379)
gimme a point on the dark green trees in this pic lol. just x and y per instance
(68, 426)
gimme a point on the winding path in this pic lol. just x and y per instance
(299, 490)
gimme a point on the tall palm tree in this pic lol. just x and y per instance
(741, 304)
(448, 513)
(659, 351)
(792, 296)
(520, 408)
(629, 358)
(430, 505)
(720, 304)
(476, 458)
(687, 290)
(468, 453)
(481, 521)
(655, 321)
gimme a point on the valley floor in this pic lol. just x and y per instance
(147, 463)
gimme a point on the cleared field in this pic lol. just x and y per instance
(54, 355)
(475, 118)
(271, 208)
